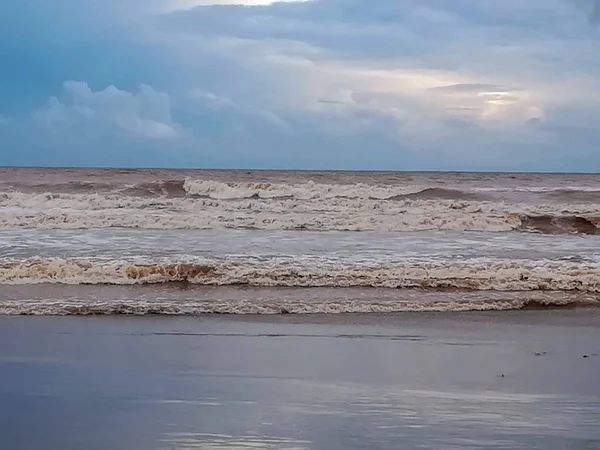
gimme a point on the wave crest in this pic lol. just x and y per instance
(498, 276)
(547, 224)
(332, 214)
(315, 191)
(170, 272)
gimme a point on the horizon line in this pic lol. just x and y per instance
(240, 169)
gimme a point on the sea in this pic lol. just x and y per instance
(188, 242)
(298, 310)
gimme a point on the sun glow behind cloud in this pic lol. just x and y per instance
(333, 87)
(188, 4)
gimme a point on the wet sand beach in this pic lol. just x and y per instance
(503, 380)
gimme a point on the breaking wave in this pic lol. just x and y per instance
(314, 191)
(476, 276)
(56, 210)
(547, 224)
(206, 204)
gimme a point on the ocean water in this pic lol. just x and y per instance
(90, 241)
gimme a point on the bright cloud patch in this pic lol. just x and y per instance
(187, 4)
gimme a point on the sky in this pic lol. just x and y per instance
(491, 85)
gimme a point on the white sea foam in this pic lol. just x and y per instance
(311, 190)
(475, 275)
(280, 213)
(303, 191)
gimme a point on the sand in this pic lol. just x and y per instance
(503, 380)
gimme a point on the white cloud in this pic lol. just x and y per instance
(218, 103)
(144, 114)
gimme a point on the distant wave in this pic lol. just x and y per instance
(476, 276)
(174, 188)
(441, 193)
(68, 187)
(162, 188)
(575, 195)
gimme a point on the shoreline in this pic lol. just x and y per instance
(568, 317)
(197, 300)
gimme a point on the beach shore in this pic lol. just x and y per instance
(513, 379)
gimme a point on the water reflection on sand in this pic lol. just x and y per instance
(293, 383)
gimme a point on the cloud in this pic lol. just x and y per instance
(219, 104)
(591, 8)
(467, 84)
(472, 87)
(595, 12)
(188, 4)
(405, 51)
(145, 114)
